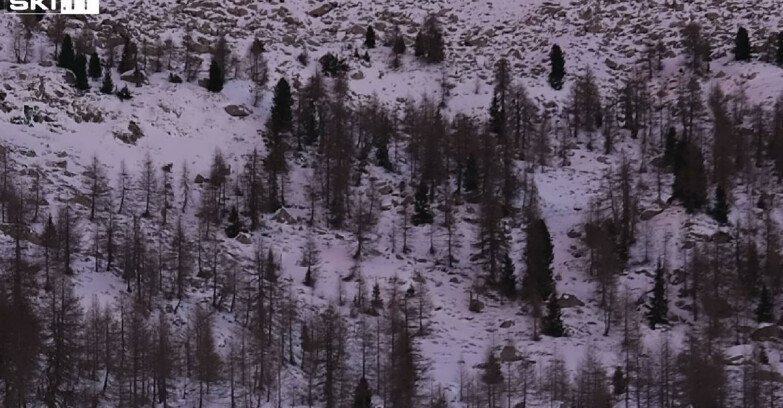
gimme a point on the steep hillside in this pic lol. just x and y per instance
(182, 124)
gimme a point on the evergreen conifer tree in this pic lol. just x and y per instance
(471, 176)
(422, 213)
(552, 325)
(377, 301)
(557, 62)
(234, 223)
(742, 45)
(362, 396)
(720, 212)
(66, 57)
(538, 282)
(80, 72)
(779, 51)
(369, 38)
(398, 47)
(508, 282)
(95, 66)
(658, 309)
(670, 147)
(764, 310)
(128, 59)
(107, 87)
(281, 119)
(216, 78)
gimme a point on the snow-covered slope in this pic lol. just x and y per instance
(182, 123)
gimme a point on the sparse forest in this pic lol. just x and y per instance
(252, 279)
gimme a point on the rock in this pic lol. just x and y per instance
(647, 215)
(454, 280)
(476, 306)
(132, 78)
(766, 333)
(385, 189)
(567, 301)
(357, 75)
(357, 30)
(70, 78)
(574, 233)
(506, 324)
(721, 237)
(509, 354)
(2, 95)
(244, 238)
(283, 216)
(238, 111)
(611, 64)
(199, 179)
(133, 134)
(322, 10)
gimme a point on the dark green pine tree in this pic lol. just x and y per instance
(377, 301)
(398, 47)
(538, 282)
(552, 325)
(742, 45)
(309, 280)
(234, 223)
(658, 309)
(281, 119)
(107, 86)
(496, 116)
(66, 57)
(670, 147)
(421, 206)
(557, 63)
(764, 310)
(95, 66)
(508, 281)
(779, 51)
(369, 38)
(720, 211)
(471, 176)
(128, 59)
(80, 72)
(362, 397)
(690, 177)
(619, 382)
(216, 78)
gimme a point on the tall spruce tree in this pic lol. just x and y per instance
(128, 59)
(216, 77)
(369, 38)
(281, 118)
(95, 66)
(552, 324)
(658, 309)
(779, 51)
(107, 86)
(690, 178)
(557, 64)
(742, 47)
(66, 57)
(764, 312)
(421, 206)
(538, 282)
(362, 397)
(80, 72)
(508, 281)
(720, 211)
